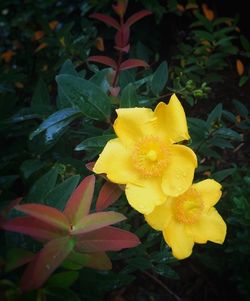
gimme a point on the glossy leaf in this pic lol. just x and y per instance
(45, 214)
(79, 203)
(160, 78)
(133, 63)
(33, 227)
(46, 262)
(129, 98)
(96, 221)
(137, 16)
(43, 186)
(106, 19)
(105, 60)
(62, 117)
(58, 197)
(94, 142)
(108, 194)
(86, 96)
(106, 239)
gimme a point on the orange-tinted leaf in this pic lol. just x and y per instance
(90, 165)
(137, 16)
(99, 44)
(106, 19)
(208, 13)
(33, 227)
(45, 262)
(239, 67)
(96, 221)
(133, 63)
(38, 35)
(79, 203)
(105, 60)
(109, 193)
(114, 91)
(106, 239)
(47, 214)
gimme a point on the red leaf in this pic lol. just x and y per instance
(105, 60)
(79, 203)
(96, 221)
(45, 262)
(114, 91)
(106, 239)
(122, 37)
(106, 19)
(133, 63)
(137, 16)
(47, 214)
(109, 193)
(90, 165)
(121, 7)
(33, 227)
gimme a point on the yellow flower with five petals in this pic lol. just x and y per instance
(145, 156)
(190, 218)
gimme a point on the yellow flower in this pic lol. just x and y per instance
(190, 218)
(145, 157)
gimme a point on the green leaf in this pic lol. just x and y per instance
(41, 94)
(63, 279)
(241, 108)
(100, 79)
(43, 186)
(229, 134)
(94, 142)
(29, 167)
(129, 97)
(215, 115)
(166, 271)
(56, 122)
(61, 193)
(85, 96)
(61, 293)
(17, 257)
(245, 43)
(160, 78)
(222, 174)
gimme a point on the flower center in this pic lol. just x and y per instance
(150, 156)
(188, 207)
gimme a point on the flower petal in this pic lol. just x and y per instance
(178, 239)
(134, 123)
(160, 217)
(179, 173)
(145, 196)
(171, 120)
(115, 161)
(211, 227)
(210, 191)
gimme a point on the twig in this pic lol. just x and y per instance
(162, 285)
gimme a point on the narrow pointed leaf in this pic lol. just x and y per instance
(46, 262)
(133, 63)
(105, 60)
(79, 203)
(109, 193)
(106, 19)
(106, 239)
(137, 16)
(76, 261)
(16, 257)
(46, 214)
(96, 221)
(33, 227)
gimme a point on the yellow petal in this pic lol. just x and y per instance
(160, 217)
(134, 123)
(210, 192)
(115, 161)
(178, 239)
(179, 172)
(211, 227)
(171, 120)
(144, 197)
